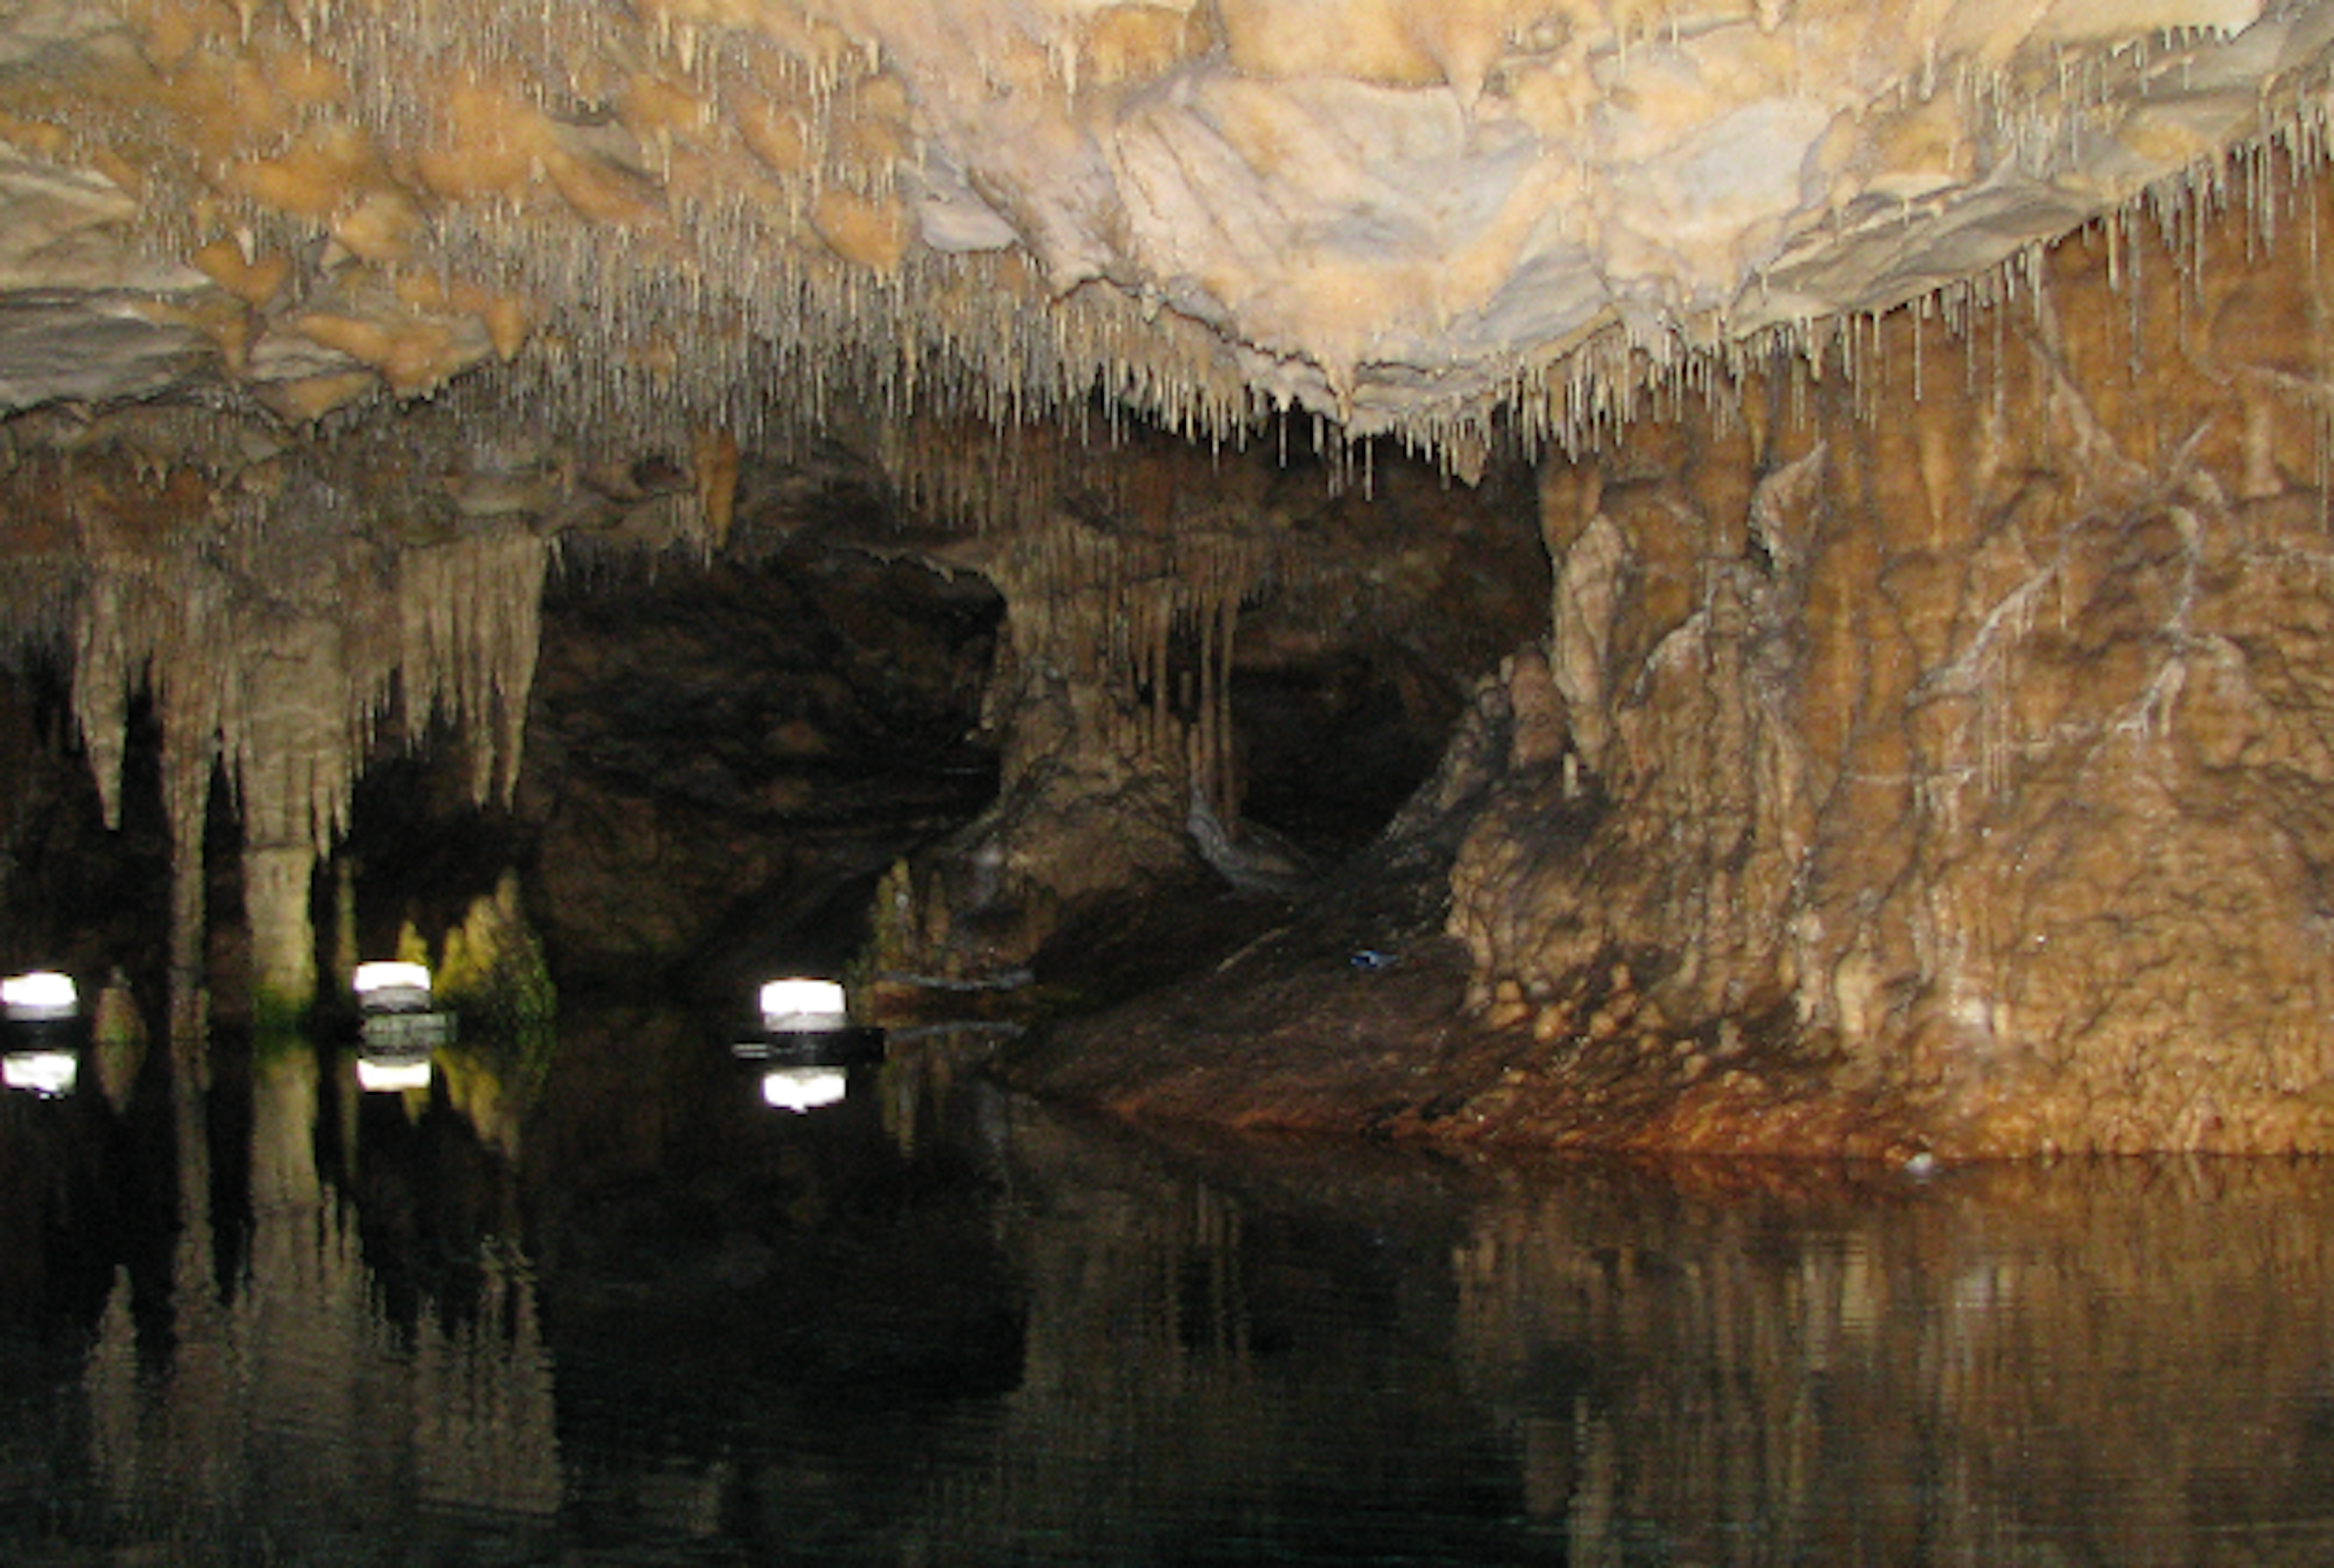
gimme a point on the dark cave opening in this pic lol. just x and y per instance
(724, 750)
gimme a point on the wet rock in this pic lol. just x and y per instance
(1984, 743)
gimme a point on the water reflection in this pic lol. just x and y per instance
(257, 1386)
(644, 1316)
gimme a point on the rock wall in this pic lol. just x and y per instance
(724, 754)
(1176, 621)
(1963, 720)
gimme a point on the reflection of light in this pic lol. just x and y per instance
(802, 1004)
(42, 993)
(376, 1075)
(47, 1072)
(800, 1089)
(392, 986)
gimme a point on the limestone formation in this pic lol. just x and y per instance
(1918, 731)
(273, 647)
(1431, 222)
(1111, 699)
(1962, 721)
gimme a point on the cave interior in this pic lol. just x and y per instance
(1739, 577)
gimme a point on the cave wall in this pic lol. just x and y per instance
(1938, 705)
(1178, 624)
(1960, 714)
(298, 673)
(726, 754)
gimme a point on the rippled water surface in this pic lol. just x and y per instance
(631, 1313)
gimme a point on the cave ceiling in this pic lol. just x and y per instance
(1450, 223)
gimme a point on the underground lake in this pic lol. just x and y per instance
(959, 782)
(284, 1319)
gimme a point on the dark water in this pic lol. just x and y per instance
(641, 1317)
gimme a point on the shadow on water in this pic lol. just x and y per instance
(649, 1317)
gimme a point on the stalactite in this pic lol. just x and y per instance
(272, 660)
(469, 615)
(637, 178)
(1124, 568)
(1110, 609)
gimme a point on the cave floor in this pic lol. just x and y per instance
(1346, 1014)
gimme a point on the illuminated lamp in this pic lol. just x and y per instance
(807, 1024)
(392, 987)
(42, 997)
(804, 1008)
(807, 1044)
(385, 1074)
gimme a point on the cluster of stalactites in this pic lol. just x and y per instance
(1590, 398)
(988, 478)
(759, 205)
(643, 226)
(678, 215)
(1147, 620)
(471, 617)
(286, 690)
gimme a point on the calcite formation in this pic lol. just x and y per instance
(1925, 758)
(1111, 699)
(1969, 721)
(1134, 585)
(273, 649)
(1443, 222)
(1928, 404)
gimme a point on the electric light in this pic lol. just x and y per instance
(41, 996)
(392, 986)
(382, 1075)
(803, 1006)
(807, 1044)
